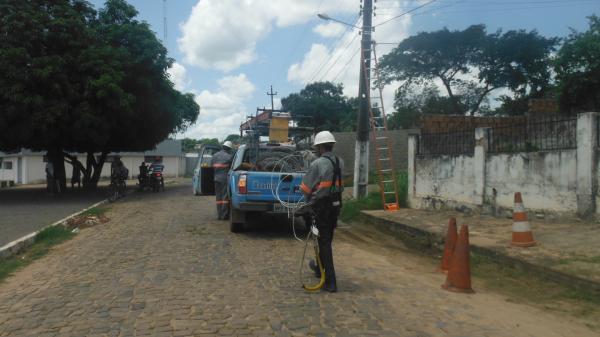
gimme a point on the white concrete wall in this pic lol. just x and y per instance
(547, 180)
(34, 170)
(8, 175)
(445, 177)
(560, 181)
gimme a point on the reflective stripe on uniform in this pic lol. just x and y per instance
(221, 202)
(305, 188)
(328, 183)
(218, 165)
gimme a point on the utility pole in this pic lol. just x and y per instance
(272, 94)
(165, 21)
(361, 150)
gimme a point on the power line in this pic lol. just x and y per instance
(334, 46)
(345, 67)
(407, 12)
(339, 56)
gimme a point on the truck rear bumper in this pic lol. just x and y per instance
(257, 206)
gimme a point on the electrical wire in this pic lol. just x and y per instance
(345, 67)
(290, 164)
(407, 12)
(339, 56)
(335, 45)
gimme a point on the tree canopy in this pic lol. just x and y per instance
(577, 67)
(321, 105)
(85, 81)
(471, 63)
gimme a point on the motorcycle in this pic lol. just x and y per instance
(153, 180)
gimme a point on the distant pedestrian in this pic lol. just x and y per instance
(50, 179)
(76, 176)
(221, 162)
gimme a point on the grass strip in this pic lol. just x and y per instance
(351, 208)
(95, 211)
(43, 242)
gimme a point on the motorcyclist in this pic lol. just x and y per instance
(221, 162)
(143, 176)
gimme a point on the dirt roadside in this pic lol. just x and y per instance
(400, 271)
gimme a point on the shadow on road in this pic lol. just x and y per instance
(270, 226)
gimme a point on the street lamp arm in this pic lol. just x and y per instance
(326, 17)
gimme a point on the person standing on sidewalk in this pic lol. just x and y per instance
(76, 174)
(322, 187)
(221, 162)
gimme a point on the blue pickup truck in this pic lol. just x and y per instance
(256, 173)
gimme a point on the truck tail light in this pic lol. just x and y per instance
(242, 189)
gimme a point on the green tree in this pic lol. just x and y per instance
(234, 138)
(472, 63)
(577, 67)
(83, 81)
(411, 104)
(320, 105)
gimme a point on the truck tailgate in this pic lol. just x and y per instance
(262, 186)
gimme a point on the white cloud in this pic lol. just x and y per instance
(223, 34)
(222, 110)
(178, 76)
(331, 29)
(340, 63)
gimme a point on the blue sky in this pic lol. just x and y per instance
(228, 52)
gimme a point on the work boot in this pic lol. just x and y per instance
(330, 285)
(315, 268)
(330, 288)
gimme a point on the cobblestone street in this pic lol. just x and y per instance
(163, 266)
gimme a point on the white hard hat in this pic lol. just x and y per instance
(228, 144)
(324, 137)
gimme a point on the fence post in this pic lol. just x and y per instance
(412, 152)
(481, 148)
(587, 139)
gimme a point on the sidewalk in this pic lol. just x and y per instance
(568, 250)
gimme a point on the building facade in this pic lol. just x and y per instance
(29, 167)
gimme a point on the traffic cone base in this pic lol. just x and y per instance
(449, 244)
(448, 287)
(459, 273)
(523, 239)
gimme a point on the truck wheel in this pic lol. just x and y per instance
(237, 219)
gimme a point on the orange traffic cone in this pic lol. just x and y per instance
(451, 236)
(521, 230)
(459, 274)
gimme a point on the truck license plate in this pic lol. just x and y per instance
(278, 208)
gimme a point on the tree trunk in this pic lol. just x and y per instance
(97, 168)
(457, 108)
(57, 159)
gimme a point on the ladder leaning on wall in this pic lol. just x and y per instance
(382, 145)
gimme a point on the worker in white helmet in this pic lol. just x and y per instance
(322, 186)
(221, 162)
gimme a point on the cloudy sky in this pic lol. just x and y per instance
(228, 52)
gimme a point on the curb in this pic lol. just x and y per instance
(436, 241)
(14, 247)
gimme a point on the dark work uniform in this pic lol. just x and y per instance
(318, 182)
(221, 161)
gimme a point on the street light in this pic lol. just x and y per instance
(326, 17)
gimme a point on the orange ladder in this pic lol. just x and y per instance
(382, 145)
